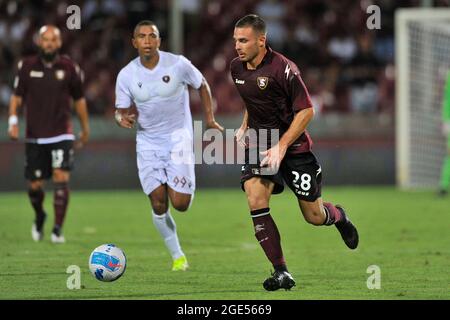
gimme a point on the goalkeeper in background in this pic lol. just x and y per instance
(445, 175)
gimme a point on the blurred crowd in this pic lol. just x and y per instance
(346, 66)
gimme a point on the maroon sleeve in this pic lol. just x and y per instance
(295, 88)
(20, 80)
(76, 82)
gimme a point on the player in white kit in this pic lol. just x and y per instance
(156, 83)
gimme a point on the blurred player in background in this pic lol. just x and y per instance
(276, 98)
(445, 175)
(45, 85)
(156, 83)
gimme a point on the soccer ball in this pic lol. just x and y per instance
(107, 262)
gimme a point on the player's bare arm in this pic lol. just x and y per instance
(13, 122)
(240, 133)
(124, 118)
(205, 96)
(81, 110)
(275, 155)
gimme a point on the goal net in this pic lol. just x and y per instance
(422, 42)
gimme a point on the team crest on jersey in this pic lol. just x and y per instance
(60, 74)
(262, 82)
(166, 79)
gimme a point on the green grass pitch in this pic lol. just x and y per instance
(406, 234)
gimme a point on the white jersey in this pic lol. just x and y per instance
(161, 97)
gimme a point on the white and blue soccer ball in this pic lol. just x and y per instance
(107, 262)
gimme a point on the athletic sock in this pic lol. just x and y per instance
(266, 232)
(333, 215)
(37, 200)
(168, 230)
(60, 203)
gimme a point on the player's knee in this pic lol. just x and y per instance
(256, 203)
(181, 206)
(159, 207)
(60, 176)
(314, 218)
(36, 185)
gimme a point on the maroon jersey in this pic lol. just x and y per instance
(273, 94)
(47, 92)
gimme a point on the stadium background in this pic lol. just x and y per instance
(354, 126)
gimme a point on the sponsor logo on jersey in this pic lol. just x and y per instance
(239, 81)
(60, 74)
(166, 79)
(262, 82)
(36, 74)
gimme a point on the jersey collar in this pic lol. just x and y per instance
(49, 65)
(267, 57)
(155, 68)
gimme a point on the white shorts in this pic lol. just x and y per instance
(156, 168)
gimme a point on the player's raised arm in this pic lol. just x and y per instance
(13, 120)
(206, 97)
(81, 110)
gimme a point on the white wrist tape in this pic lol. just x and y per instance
(118, 116)
(12, 121)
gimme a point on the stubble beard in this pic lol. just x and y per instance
(48, 56)
(146, 57)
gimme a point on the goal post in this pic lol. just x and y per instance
(422, 57)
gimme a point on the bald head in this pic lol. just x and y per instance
(49, 42)
(49, 30)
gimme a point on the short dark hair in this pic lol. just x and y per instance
(144, 23)
(252, 20)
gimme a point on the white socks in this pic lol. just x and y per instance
(168, 230)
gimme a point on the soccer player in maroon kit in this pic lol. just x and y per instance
(45, 85)
(276, 98)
